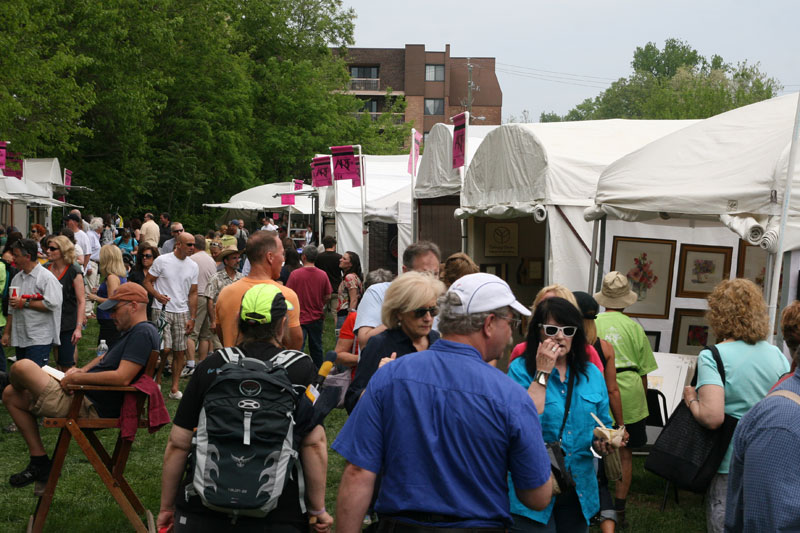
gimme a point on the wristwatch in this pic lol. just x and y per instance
(541, 378)
(27, 304)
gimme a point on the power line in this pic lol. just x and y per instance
(564, 81)
(556, 72)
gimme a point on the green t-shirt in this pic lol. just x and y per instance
(750, 371)
(631, 350)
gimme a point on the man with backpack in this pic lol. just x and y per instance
(253, 418)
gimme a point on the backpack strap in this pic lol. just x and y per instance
(786, 394)
(287, 358)
(231, 354)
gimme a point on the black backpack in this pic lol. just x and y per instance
(243, 449)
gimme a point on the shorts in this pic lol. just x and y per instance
(174, 335)
(53, 401)
(202, 326)
(66, 352)
(637, 433)
(39, 353)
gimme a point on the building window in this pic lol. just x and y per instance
(425, 138)
(434, 72)
(434, 106)
(364, 72)
(370, 106)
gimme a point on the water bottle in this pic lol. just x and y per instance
(102, 348)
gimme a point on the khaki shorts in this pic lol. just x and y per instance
(174, 334)
(54, 402)
(202, 326)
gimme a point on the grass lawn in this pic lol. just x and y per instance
(82, 503)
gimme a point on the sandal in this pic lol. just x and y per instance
(11, 428)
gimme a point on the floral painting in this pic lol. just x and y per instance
(690, 332)
(700, 269)
(648, 265)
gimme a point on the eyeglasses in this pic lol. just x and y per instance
(513, 323)
(422, 311)
(177, 231)
(53, 248)
(551, 330)
(147, 256)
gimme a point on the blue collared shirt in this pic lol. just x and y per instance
(443, 428)
(764, 480)
(588, 396)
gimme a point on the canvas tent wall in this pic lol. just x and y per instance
(247, 204)
(547, 172)
(728, 169)
(438, 186)
(394, 208)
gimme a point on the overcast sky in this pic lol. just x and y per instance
(583, 44)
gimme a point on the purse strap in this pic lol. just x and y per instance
(569, 401)
(717, 359)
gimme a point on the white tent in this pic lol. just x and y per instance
(263, 198)
(550, 171)
(394, 208)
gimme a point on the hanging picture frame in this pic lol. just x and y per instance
(751, 263)
(691, 332)
(648, 264)
(701, 268)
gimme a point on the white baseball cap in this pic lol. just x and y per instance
(484, 292)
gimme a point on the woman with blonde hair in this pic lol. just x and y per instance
(114, 274)
(408, 310)
(61, 256)
(738, 316)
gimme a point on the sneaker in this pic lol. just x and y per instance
(30, 474)
(12, 359)
(187, 371)
(175, 395)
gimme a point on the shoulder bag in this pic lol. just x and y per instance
(561, 475)
(686, 453)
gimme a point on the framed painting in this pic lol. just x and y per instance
(655, 339)
(700, 268)
(690, 332)
(648, 265)
(498, 269)
(752, 263)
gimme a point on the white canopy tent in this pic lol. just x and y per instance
(394, 208)
(549, 171)
(263, 198)
(732, 167)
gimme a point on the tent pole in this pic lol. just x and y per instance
(592, 264)
(364, 230)
(787, 195)
(414, 236)
(335, 205)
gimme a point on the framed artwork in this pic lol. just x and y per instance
(498, 269)
(530, 271)
(700, 269)
(690, 332)
(648, 264)
(501, 239)
(752, 263)
(655, 339)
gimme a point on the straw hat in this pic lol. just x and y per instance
(616, 292)
(228, 250)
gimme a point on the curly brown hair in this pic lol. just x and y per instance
(737, 310)
(457, 265)
(790, 324)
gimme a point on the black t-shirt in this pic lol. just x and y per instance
(329, 263)
(135, 346)
(69, 306)
(300, 373)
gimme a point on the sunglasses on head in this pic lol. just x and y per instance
(422, 311)
(551, 330)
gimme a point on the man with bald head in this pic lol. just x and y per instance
(172, 280)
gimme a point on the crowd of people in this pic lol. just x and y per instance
(436, 437)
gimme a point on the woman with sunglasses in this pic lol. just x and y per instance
(112, 269)
(144, 260)
(61, 253)
(350, 289)
(567, 390)
(408, 310)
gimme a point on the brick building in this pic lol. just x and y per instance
(435, 85)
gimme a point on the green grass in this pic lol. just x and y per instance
(82, 504)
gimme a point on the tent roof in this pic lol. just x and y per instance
(263, 198)
(45, 170)
(558, 163)
(393, 208)
(384, 174)
(436, 176)
(727, 164)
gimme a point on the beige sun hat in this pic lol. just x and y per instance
(228, 250)
(616, 292)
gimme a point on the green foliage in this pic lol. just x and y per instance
(165, 105)
(675, 83)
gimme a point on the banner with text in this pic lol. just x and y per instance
(298, 185)
(67, 177)
(344, 163)
(3, 145)
(359, 171)
(321, 171)
(413, 156)
(459, 136)
(13, 168)
(287, 199)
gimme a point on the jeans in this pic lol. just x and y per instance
(567, 517)
(39, 354)
(66, 352)
(313, 332)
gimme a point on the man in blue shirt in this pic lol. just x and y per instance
(764, 482)
(443, 428)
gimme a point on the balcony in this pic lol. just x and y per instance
(365, 84)
(397, 118)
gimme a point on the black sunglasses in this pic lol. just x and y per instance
(147, 256)
(551, 330)
(53, 248)
(422, 311)
(189, 244)
(177, 231)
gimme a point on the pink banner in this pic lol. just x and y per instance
(67, 177)
(298, 184)
(13, 168)
(459, 130)
(344, 163)
(276, 216)
(287, 199)
(413, 156)
(321, 171)
(3, 145)
(359, 171)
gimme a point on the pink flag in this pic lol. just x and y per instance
(357, 175)
(344, 163)
(413, 156)
(67, 177)
(298, 184)
(321, 171)
(3, 145)
(62, 198)
(459, 121)
(276, 216)
(287, 199)
(13, 168)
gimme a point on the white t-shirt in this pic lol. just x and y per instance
(82, 240)
(207, 268)
(175, 278)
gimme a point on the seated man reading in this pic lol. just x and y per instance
(33, 392)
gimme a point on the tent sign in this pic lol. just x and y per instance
(459, 136)
(321, 171)
(344, 163)
(287, 199)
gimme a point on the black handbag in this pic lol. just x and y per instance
(686, 453)
(561, 474)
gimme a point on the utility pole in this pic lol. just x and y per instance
(469, 86)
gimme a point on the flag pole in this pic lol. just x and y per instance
(364, 230)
